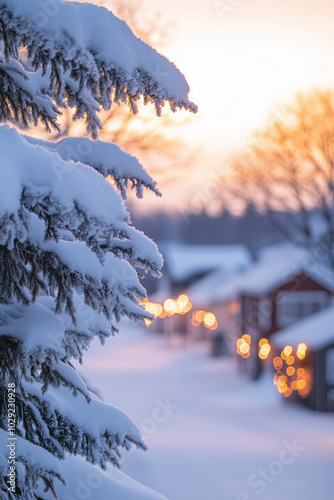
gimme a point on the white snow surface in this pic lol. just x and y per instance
(106, 157)
(184, 261)
(88, 481)
(30, 83)
(95, 418)
(82, 477)
(41, 331)
(37, 455)
(78, 257)
(220, 430)
(42, 172)
(316, 332)
(36, 326)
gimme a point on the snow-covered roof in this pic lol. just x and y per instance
(316, 331)
(218, 286)
(279, 264)
(275, 266)
(185, 261)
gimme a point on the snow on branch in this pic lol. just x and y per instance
(87, 44)
(21, 97)
(108, 288)
(101, 428)
(107, 158)
(67, 195)
(70, 260)
(33, 463)
(113, 484)
(47, 340)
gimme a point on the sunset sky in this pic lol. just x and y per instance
(242, 63)
(244, 60)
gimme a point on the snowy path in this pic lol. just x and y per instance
(211, 433)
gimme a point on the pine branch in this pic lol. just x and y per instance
(79, 75)
(21, 101)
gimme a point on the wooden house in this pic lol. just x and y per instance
(284, 286)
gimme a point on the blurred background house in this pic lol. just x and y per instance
(190, 267)
(306, 374)
(218, 293)
(222, 296)
(284, 285)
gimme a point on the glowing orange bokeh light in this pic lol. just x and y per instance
(290, 360)
(170, 306)
(287, 350)
(209, 319)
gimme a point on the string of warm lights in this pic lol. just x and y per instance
(288, 378)
(207, 318)
(181, 305)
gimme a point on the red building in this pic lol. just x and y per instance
(284, 286)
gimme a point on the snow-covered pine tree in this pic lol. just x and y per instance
(70, 261)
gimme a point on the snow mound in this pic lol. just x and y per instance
(88, 481)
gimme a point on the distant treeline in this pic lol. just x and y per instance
(253, 229)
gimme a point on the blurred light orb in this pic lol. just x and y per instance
(290, 371)
(301, 350)
(278, 363)
(247, 338)
(234, 308)
(301, 384)
(183, 300)
(287, 350)
(214, 326)
(287, 392)
(209, 319)
(187, 307)
(200, 315)
(244, 348)
(170, 306)
(264, 349)
(290, 360)
(178, 307)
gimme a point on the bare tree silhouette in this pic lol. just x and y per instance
(289, 166)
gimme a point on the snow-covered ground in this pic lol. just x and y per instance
(212, 434)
